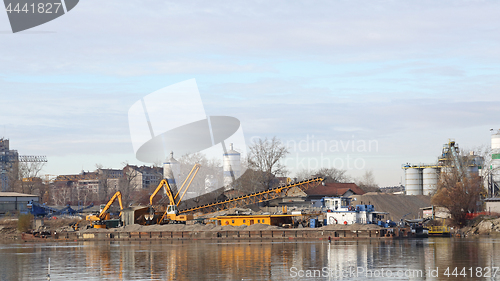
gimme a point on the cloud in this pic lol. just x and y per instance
(387, 70)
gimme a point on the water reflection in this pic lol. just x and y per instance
(249, 260)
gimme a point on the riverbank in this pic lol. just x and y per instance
(482, 227)
(9, 231)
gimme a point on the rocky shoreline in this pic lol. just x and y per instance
(482, 227)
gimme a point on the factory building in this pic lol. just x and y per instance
(14, 202)
(422, 179)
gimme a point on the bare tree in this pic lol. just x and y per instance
(208, 167)
(265, 156)
(103, 190)
(458, 194)
(62, 195)
(29, 181)
(329, 174)
(460, 189)
(85, 196)
(128, 184)
(251, 181)
(367, 182)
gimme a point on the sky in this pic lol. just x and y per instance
(354, 85)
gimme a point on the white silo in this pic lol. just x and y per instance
(231, 167)
(495, 155)
(413, 178)
(430, 181)
(172, 171)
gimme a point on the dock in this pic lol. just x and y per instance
(283, 234)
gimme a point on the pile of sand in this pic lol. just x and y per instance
(396, 205)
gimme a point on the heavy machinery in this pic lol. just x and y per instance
(42, 210)
(254, 198)
(103, 220)
(171, 214)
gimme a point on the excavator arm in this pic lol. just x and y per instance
(160, 186)
(168, 191)
(118, 195)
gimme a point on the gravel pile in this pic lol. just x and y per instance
(396, 205)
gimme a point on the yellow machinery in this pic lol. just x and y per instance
(171, 215)
(99, 221)
(254, 198)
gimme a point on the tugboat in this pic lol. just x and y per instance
(418, 229)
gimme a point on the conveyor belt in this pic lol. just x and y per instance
(254, 197)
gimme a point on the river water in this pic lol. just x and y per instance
(411, 259)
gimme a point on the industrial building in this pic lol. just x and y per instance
(422, 179)
(492, 205)
(9, 160)
(6, 167)
(14, 202)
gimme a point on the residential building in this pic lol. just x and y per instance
(144, 176)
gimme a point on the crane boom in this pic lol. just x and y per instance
(190, 176)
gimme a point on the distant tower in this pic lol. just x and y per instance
(495, 158)
(172, 171)
(231, 167)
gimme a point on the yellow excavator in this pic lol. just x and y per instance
(102, 220)
(171, 215)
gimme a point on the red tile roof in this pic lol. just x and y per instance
(334, 189)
